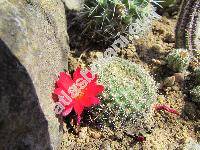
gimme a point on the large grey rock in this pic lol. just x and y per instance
(33, 50)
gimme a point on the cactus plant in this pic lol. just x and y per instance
(195, 93)
(188, 26)
(178, 60)
(129, 91)
(104, 19)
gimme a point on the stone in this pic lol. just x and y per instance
(74, 4)
(169, 38)
(119, 135)
(95, 135)
(158, 62)
(106, 145)
(169, 81)
(83, 133)
(179, 77)
(33, 50)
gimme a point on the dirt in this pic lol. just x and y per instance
(170, 131)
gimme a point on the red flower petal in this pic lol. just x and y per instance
(64, 81)
(94, 100)
(58, 91)
(95, 77)
(88, 101)
(76, 74)
(78, 108)
(94, 89)
(85, 101)
(67, 110)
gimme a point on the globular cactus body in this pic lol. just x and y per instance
(178, 60)
(104, 19)
(129, 90)
(195, 94)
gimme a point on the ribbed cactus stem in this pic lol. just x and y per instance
(188, 26)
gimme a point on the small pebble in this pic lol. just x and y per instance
(169, 81)
(130, 54)
(83, 133)
(99, 54)
(87, 139)
(106, 145)
(156, 61)
(157, 47)
(95, 135)
(119, 136)
(140, 138)
(175, 88)
(169, 38)
(166, 14)
(161, 99)
(179, 77)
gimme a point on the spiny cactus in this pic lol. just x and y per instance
(106, 18)
(188, 26)
(129, 91)
(195, 93)
(178, 60)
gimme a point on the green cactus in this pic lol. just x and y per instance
(178, 60)
(188, 26)
(195, 93)
(104, 19)
(129, 91)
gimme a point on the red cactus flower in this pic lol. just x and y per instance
(166, 108)
(77, 93)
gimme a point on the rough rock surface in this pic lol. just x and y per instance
(33, 50)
